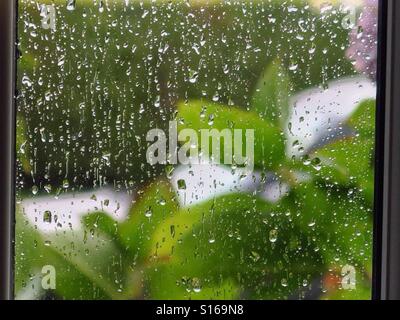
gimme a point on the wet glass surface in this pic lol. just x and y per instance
(195, 149)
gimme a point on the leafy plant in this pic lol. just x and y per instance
(88, 103)
(236, 245)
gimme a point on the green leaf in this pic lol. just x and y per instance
(348, 162)
(271, 96)
(156, 205)
(338, 221)
(363, 119)
(101, 221)
(269, 147)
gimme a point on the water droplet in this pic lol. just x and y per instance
(295, 144)
(273, 235)
(181, 184)
(26, 81)
(210, 119)
(169, 169)
(148, 213)
(193, 76)
(61, 61)
(293, 67)
(106, 157)
(311, 223)
(316, 164)
(306, 160)
(162, 202)
(203, 112)
(255, 256)
(101, 6)
(47, 188)
(65, 184)
(35, 190)
(196, 285)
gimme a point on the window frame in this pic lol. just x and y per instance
(386, 278)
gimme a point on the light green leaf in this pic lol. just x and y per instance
(338, 221)
(363, 119)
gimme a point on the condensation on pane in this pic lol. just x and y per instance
(195, 149)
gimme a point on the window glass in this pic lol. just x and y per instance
(198, 149)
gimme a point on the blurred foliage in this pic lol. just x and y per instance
(269, 148)
(87, 104)
(232, 246)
